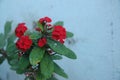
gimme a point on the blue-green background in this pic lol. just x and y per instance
(96, 28)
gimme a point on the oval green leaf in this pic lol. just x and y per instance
(61, 49)
(36, 55)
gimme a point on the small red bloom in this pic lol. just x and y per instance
(42, 42)
(59, 33)
(20, 30)
(24, 43)
(38, 29)
(42, 20)
(45, 19)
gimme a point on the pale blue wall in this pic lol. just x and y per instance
(95, 24)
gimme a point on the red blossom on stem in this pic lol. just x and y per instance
(38, 29)
(24, 43)
(45, 19)
(42, 42)
(59, 33)
(20, 30)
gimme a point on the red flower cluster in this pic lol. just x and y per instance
(42, 42)
(59, 33)
(45, 19)
(20, 30)
(24, 43)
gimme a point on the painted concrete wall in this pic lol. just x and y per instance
(95, 24)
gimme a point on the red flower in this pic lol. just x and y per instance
(45, 19)
(42, 42)
(59, 33)
(24, 43)
(38, 29)
(20, 30)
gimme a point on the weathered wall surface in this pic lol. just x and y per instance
(95, 24)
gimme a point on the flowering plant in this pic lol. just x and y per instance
(34, 52)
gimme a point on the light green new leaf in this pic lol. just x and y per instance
(36, 55)
(2, 40)
(61, 49)
(69, 34)
(47, 66)
(59, 23)
(7, 28)
(58, 70)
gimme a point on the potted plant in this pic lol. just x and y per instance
(33, 53)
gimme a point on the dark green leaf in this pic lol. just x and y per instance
(20, 65)
(14, 64)
(7, 28)
(56, 57)
(11, 48)
(2, 40)
(59, 71)
(20, 71)
(69, 34)
(61, 49)
(39, 76)
(29, 78)
(23, 62)
(47, 66)
(52, 78)
(36, 55)
(11, 38)
(40, 26)
(1, 59)
(35, 35)
(59, 23)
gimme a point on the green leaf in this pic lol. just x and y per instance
(56, 57)
(36, 55)
(20, 65)
(2, 40)
(52, 78)
(23, 63)
(58, 70)
(11, 48)
(20, 71)
(47, 66)
(39, 76)
(11, 38)
(69, 34)
(40, 26)
(35, 35)
(61, 49)
(59, 23)
(7, 28)
(1, 59)
(29, 78)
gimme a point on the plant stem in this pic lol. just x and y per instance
(3, 52)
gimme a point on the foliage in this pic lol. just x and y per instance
(37, 61)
